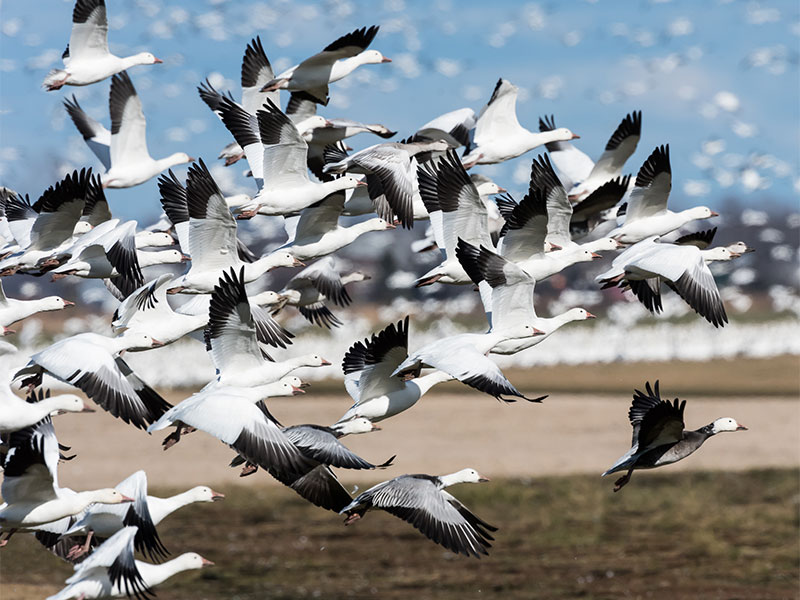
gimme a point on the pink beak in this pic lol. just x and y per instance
(158, 61)
(361, 184)
(596, 255)
(216, 496)
(126, 499)
(714, 214)
(590, 315)
(297, 390)
(87, 409)
(325, 362)
(741, 428)
(385, 60)
(537, 331)
(575, 136)
(185, 258)
(501, 190)
(156, 343)
(298, 263)
(68, 303)
(205, 562)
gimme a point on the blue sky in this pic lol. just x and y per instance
(716, 80)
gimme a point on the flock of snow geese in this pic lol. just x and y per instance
(574, 209)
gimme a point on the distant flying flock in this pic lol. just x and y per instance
(306, 176)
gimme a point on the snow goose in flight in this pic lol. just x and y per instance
(58, 210)
(16, 413)
(123, 150)
(422, 501)
(368, 368)
(465, 357)
(111, 571)
(317, 232)
(99, 522)
(456, 124)
(391, 170)
(659, 435)
(212, 241)
(233, 344)
(559, 211)
(684, 268)
(511, 297)
(647, 214)
(30, 487)
(598, 208)
(456, 211)
(337, 60)
(87, 59)
(499, 136)
(309, 289)
(277, 155)
(13, 310)
(578, 173)
(92, 363)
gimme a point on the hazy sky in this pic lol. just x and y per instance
(716, 80)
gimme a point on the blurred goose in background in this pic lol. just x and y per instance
(87, 59)
(112, 571)
(309, 289)
(647, 214)
(337, 60)
(659, 437)
(30, 487)
(499, 136)
(577, 172)
(598, 208)
(123, 150)
(277, 155)
(92, 363)
(422, 501)
(368, 368)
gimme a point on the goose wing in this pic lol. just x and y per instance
(655, 422)
(60, 208)
(285, 151)
(653, 184)
(498, 118)
(369, 365)
(30, 469)
(128, 126)
(619, 148)
(243, 126)
(256, 73)
(573, 164)
(319, 218)
(320, 443)
(559, 208)
(96, 136)
(525, 229)
(89, 37)
(324, 277)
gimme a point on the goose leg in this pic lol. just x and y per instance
(248, 469)
(352, 518)
(622, 480)
(79, 550)
(4, 541)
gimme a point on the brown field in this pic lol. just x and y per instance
(722, 524)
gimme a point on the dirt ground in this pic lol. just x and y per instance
(567, 434)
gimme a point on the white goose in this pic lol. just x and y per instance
(13, 310)
(233, 344)
(464, 357)
(317, 232)
(337, 60)
(277, 154)
(456, 212)
(123, 150)
(30, 483)
(647, 213)
(112, 572)
(87, 59)
(499, 136)
(684, 268)
(309, 289)
(92, 363)
(578, 173)
(16, 413)
(368, 368)
(99, 522)
(510, 297)
(212, 241)
(422, 501)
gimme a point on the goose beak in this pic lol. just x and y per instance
(575, 136)
(619, 244)
(126, 499)
(375, 427)
(590, 315)
(328, 123)
(175, 290)
(216, 496)
(205, 562)
(298, 263)
(7, 331)
(714, 214)
(484, 480)
(362, 184)
(86, 408)
(185, 258)
(391, 226)
(297, 391)
(537, 331)
(501, 190)
(325, 362)
(735, 255)
(555, 247)
(741, 428)
(157, 344)
(596, 255)
(749, 249)
(157, 61)
(68, 303)
(386, 60)
(305, 384)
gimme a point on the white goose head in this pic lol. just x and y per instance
(203, 493)
(355, 426)
(726, 424)
(467, 475)
(372, 57)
